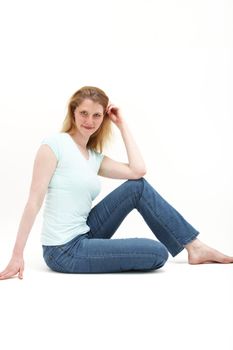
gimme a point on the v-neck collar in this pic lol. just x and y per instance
(76, 145)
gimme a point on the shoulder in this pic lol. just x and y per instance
(54, 141)
(57, 136)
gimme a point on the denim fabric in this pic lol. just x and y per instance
(96, 252)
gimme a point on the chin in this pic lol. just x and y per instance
(88, 132)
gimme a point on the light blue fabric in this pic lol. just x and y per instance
(73, 187)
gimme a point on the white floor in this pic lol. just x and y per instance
(177, 307)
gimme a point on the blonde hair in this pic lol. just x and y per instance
(103, 134)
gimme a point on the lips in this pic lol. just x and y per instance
(87, 127)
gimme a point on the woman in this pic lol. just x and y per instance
(76, 238)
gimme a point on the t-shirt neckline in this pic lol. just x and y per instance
(75, 144)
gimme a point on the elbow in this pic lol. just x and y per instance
(140, 173)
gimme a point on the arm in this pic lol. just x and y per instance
(44, 166)
(135, 168)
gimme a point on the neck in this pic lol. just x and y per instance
(80, 139)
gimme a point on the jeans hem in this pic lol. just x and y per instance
(189, 240)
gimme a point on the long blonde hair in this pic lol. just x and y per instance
(103, 134)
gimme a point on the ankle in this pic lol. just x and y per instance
(193, 245)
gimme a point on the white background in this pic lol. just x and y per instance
(168, 65)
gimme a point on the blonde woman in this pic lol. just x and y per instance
(76, 238)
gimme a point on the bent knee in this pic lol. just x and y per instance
(162, 255)
(136, 185)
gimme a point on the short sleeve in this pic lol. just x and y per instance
(53, 142)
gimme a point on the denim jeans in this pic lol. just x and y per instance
(96, 252)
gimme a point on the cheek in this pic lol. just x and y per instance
(101, 121)
(76, 118)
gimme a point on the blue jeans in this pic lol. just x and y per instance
(95, 252)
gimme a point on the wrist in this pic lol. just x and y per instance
(17, 254)
(123, 126)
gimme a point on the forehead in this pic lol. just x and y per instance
(91, 105)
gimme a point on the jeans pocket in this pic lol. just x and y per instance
(50, 257)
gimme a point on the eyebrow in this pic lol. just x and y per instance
(84, 110)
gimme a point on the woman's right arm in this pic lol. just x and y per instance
(44, 166)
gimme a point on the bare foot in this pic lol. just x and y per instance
(200, 253)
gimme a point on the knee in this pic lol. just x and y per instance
(137, 188)
(140, 183)
(136, 184)
(161, 256)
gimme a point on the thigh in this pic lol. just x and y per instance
(108, 214)
(113, 255)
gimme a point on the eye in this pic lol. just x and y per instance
(97, 115)
(83, 112)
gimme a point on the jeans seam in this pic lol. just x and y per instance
(162, 223)
(174, 237)
(128, 255)
(111, 255)
(171, 232)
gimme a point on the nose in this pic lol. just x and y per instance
(89, 120)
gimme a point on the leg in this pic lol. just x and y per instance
(95, 252)
(171, 221)
(165, 222)
(85, 255)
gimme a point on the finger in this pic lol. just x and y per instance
(20, 275)
(7, 275)
(113, 107)
(4, 272)
(110, 106)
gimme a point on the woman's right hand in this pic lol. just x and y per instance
(15, 266)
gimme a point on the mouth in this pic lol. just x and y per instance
(87, 127)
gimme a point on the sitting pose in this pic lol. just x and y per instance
(76, 238)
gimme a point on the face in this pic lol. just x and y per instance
(88, 117)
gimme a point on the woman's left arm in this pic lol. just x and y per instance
(135, 168)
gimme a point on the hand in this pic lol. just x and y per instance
(15, 266)
(114, 114)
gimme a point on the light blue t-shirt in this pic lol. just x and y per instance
(72, 188)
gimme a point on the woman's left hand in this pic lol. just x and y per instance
(115, 115)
